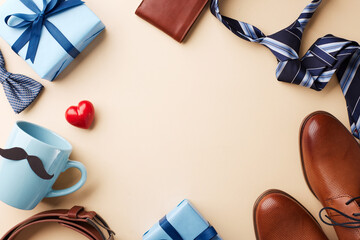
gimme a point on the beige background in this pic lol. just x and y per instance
(204, 120)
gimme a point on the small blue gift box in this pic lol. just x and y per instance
(66, 27)
(182, 223)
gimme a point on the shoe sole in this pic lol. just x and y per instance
(270, 191)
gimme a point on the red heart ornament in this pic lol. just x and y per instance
(82, 115)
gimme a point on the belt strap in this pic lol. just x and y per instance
(89, 224)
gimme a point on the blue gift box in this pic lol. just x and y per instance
(79, 25)
(182, 223)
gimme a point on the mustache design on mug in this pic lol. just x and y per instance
(18, 154)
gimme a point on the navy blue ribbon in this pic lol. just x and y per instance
(34, 24)
(208, 234)
(169, 229)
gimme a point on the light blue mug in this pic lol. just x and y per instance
(30, 163)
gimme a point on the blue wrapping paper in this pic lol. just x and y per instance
(185, 220)
(79, 25)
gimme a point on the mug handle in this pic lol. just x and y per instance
(77, 186)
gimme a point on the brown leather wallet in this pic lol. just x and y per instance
(174, 17)
(89, 224)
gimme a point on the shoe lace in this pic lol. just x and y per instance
(355, 223)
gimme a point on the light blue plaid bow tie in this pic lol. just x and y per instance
(20, 90)
(329, 55)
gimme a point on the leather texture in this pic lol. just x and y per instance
(89, 224)
(175, 18)
(331, 164)
(278, 216)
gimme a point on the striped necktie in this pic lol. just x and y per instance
(328, 55)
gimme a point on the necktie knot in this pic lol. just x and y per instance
(327, 56)
(4, 75)
(285, 44)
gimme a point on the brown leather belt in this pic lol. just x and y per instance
(89, 224)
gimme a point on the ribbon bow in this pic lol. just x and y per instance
(20, 90)
(35, 22)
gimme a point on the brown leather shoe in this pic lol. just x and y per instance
(278, 216)
(331, 163)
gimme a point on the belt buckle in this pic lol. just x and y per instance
(98, 223)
